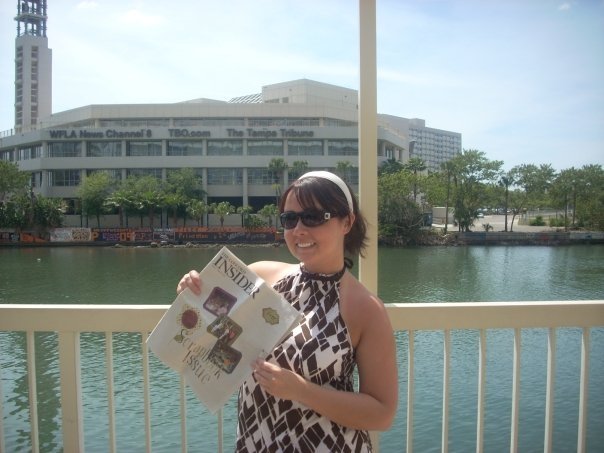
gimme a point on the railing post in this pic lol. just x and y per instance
(33, 390)
(550, 390)
(71, 392)
(583, 391)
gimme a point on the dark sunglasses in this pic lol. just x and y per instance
(309, 217)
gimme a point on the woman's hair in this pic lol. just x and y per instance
(311, 191)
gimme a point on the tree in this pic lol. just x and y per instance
(471, 170)
(298, 168)
(398, 216)
(449, 168)
(197, 209)
(94, 191)
(590, 197)
(146, 196)
(390, 166)
(344, 170)
(269, 212)
(223, 209)
(532, 183)
(48, 212)
(12, 180)
(245, 212)
(122, 199)
(563, 190)
(181, 186)
(415, 166)
(506, 181)
(276, 167)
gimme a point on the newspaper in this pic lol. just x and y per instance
(213, 338)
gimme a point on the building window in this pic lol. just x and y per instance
(259, 176)
(32, 152)
(225, 148)
(104, 149)
(114, 173)
(138, 149)
(343, 148)
(153, 122)
(304, 147)
(65, 149)
(6, 156)
(63, 178)
(225, 176)
(349, 174)
(209, 122)
(156, 172)
(265, 147)
(185, 148)
(196, 171)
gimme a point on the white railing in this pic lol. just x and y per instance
(70, 320)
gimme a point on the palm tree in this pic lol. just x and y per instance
(269, 211)
(415, 165)
(223, 209)
(245, 211)
(196, 209)
(276, 167)
(506, 181)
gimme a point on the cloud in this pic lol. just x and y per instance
(87, 4)
(136, 17)
(564, 7)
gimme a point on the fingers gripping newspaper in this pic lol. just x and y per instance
(212, 339)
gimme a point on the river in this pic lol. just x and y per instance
(109, 275)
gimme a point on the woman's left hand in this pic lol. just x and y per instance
(277, 381)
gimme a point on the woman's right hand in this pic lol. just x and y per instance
(190, 280)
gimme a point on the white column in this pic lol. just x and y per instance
(368, 271)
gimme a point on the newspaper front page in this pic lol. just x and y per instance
(213, 338)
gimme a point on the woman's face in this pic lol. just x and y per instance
(320, 248)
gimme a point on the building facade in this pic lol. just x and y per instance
(229, 144)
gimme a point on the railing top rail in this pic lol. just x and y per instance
(404, 316)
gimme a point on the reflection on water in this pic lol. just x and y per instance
(107, 275)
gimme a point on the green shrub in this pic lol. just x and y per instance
(537, 221)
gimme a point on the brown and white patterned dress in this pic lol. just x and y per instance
(318, 349)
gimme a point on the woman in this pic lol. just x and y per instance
(301, 398)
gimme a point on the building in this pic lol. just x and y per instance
(33, 65)
(229, 143)
(433, 146)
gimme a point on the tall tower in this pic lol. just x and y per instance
(33, 65)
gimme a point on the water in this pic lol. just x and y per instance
(428, 274)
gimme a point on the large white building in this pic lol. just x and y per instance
(229, 143)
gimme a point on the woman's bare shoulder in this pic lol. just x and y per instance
(362, 310)
(272, 271)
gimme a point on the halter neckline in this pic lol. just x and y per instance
(323, 277)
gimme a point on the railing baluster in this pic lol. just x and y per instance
(220, 430)
(146, 397)
(71, 392)
(515, 391)
(446, 392)
(410, 388)
(183, 415)
(550, 390)
(583, 390)
(33, 393)
(110, 391)
(482, 356)
(1, 415)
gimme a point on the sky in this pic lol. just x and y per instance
(521, 80)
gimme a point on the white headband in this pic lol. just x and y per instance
(336, 180)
